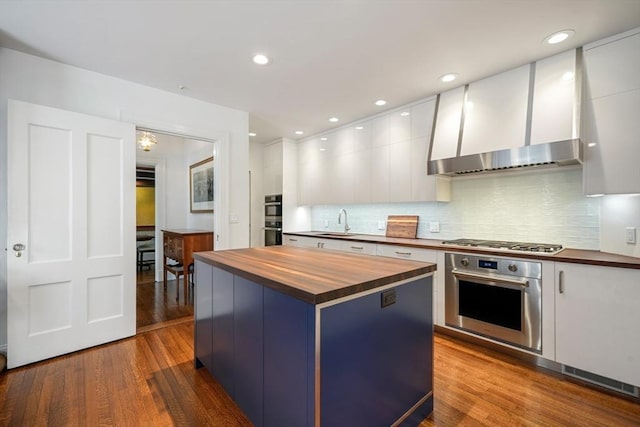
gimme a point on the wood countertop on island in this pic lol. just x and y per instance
(311, 275)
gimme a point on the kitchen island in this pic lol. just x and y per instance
(304, 337)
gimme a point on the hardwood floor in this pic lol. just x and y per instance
(157, 306)
(150, 380)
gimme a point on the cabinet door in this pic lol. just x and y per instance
(380, 185)
(613, 67)
(248, 348)
(289, 341)
(400, 171)
(613, 148)
(297, 241)
(222, 329)
(495, 113)
(597, 320)
(203, 314)
(272, 171)
(554, 95)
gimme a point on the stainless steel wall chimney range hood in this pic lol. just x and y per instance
(561, 153)
(539, 106)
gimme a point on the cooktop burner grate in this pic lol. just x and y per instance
(512, 246)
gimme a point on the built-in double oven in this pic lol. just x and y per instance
(495, 297)
(273, 220)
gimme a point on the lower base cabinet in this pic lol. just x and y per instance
(274, 354)
(597, 320)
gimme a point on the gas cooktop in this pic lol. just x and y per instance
(547, 248)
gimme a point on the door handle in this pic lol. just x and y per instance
(18, 248)
(561, 282)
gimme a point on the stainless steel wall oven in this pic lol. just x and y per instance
(273, 220)
(498, 298)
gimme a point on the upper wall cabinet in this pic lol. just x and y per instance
(272, 168)
(611, 125)
(380, 160)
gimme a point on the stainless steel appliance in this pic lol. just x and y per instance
(273, 220)
(548, 248)
(273, 206)
(495, 297)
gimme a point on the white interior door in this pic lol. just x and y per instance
(71, 203)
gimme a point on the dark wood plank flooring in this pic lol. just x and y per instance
(156, 305)
(150, 380)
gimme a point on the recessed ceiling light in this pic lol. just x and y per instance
(299, 132)
(404, 113)
(567, 76)
(322, 149)
(260, 59)
(559, 36)
(334, 119)
(380, 102)
(449, 77)
(359, 127)
(252, 134)
(324, 138)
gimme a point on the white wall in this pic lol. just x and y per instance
(542, 206)
(256, 163)
(196, 151)
(617, 213)
(32, 79)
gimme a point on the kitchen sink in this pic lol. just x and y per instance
(336, 234)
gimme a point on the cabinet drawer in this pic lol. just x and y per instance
(416, 254)
(358, 247)
(173, 248)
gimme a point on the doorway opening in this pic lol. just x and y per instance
(168, 162)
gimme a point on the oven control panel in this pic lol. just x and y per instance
(485, 264)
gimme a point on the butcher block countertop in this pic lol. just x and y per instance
(312, 275)
(576, 256)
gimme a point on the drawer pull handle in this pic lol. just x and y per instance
(293, 240)
(357, 247)
(403, 253)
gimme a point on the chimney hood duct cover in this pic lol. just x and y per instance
(560, 153)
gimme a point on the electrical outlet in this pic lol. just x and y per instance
(434, 227)
(381, 225)
(326, 223)
(631, 235)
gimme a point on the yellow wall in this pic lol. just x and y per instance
(145, 206)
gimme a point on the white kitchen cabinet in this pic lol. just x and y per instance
(597, 320)
(403, 252)
(298, 241)
(400, 171)
(272, 168)
(380, 160)
(610, 117)
(380, 184)
(358, 247)
(495, 114)
(554, 96)
(311, 242)
(447, 129)
(613, 65)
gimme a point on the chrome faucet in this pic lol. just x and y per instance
(346, 225)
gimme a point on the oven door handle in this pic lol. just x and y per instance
(491, 280)
(271, 229)
(273, 204)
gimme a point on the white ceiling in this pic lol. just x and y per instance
(329, 57)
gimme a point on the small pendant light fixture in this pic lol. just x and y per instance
(146, 140)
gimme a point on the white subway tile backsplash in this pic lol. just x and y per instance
(541, 206)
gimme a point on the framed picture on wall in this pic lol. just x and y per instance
(201, 186)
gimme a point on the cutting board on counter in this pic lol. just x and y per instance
(402, 226)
